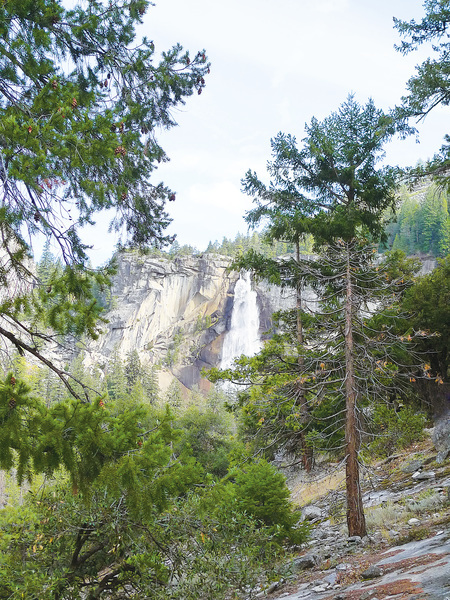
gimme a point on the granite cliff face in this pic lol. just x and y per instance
(175, 313)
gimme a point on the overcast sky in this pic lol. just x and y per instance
(274, 65)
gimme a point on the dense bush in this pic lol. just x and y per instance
(395, 429)
(261, 491)
(208, 433)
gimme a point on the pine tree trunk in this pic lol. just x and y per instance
(355, 514)
(307, 451)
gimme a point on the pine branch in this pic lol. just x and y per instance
(63, 375)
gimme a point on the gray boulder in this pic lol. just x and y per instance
(308, 561)
(424, 475)
(372, 572)
(311, 513)
(441, 434)
(412, 466)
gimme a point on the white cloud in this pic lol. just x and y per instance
(274, 67)
(331, 6)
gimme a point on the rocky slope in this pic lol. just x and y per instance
(406, 555)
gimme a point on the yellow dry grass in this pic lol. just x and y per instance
(312, 488)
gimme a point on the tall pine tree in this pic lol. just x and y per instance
(333, 188)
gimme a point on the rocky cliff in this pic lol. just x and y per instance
(175, 313)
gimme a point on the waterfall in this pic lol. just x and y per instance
(243, 336)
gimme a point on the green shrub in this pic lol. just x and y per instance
(219, 553)
(208, 433)
(395, 430)
(261, 491)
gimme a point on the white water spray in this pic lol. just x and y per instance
(243, 336)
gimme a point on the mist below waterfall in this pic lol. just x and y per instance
(243, 336)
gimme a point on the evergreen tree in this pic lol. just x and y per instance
(150, 383)
(173, 396)
(80, 101)
(422, 223)
(435, 234)
(428, 305)
(133, 369)
(47, 265)
(110, 539)
(115, 377)
(333, 189)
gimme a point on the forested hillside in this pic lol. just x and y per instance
(422, 221)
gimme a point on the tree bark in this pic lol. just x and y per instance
(301, 401)
(356, 522)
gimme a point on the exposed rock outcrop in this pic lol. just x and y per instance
(175, 313)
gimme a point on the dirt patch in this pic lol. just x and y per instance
(402, 589)
(411, 563)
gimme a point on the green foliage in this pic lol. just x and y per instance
(429, 86)
(261, 491)
(422, 223)
(79, 436)
(145, 525)
(207, 432)
(115, 376)
(229, 552)
(173, 351)
(428, 305)
(203, 322)
(394, 429)
(174, 395)
(260, 243)
(70, 545)
(331, 187)
(82, 75)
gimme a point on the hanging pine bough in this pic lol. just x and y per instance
(429, 87)
(80, 101)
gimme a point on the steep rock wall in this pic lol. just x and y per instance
(175, 313)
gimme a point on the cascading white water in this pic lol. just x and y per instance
(243, 336)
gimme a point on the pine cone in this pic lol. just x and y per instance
(12, 403)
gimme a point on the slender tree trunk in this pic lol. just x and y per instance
(307, 451)
(355, 514)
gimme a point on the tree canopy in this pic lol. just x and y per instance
(81, 99)
(430, 85)
(80, 102)
(332, 185)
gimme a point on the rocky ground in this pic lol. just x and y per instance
(406, 555)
